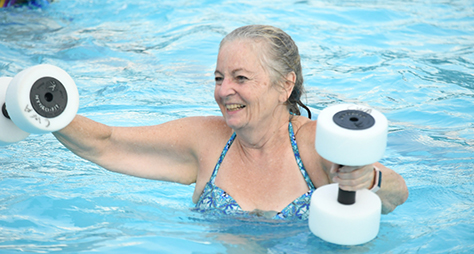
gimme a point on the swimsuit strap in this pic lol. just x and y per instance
(221, 158)
(298, 157)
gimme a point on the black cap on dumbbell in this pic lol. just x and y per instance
(48, 97)
(354, 119)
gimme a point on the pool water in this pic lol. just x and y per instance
(147, 62)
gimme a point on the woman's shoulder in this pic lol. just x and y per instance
(305, 132)
(209, 130)
(305, 128)
(208, 125)
(196, 133)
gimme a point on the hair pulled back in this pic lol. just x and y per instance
(280, 57)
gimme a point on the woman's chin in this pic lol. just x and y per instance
(234, 123)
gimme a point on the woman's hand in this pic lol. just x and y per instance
(393, 191)
(352, 178)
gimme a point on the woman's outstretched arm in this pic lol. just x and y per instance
(168, 151)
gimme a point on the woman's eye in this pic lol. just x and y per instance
(241, 79)
(218, 79)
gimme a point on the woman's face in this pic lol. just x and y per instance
(243, 89)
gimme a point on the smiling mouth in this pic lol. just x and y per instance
(233, 107)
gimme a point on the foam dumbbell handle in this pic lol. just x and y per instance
(9, 132)
(346, 197)
(42, 99)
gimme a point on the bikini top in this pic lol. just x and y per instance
(217, 200)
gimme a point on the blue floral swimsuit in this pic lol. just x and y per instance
(215, 199)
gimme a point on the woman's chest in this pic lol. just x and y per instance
(267, 183)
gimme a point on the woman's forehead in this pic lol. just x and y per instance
(243, 54)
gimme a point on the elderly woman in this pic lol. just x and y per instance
(259, 157)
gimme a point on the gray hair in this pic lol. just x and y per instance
(281, 57)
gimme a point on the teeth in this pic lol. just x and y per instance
(234, 106)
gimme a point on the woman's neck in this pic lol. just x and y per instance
(268, 133)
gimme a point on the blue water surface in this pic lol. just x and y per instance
(147, 62)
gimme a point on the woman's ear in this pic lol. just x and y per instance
(288, 86)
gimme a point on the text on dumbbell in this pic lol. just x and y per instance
(355, 107)
(43, 107)
(36, 117)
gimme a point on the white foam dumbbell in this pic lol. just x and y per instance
(40, 99)
(350, 135)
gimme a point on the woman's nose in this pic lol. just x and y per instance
(226, 88)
